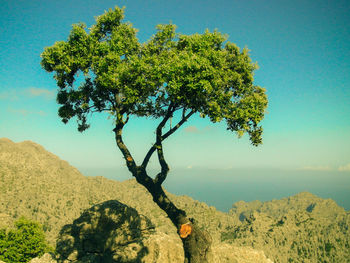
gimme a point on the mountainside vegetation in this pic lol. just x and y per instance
(38, 185)
(301, 228)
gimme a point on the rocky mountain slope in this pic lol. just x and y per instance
(303, 228)
(300, 228)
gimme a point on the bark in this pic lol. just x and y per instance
(197, 246)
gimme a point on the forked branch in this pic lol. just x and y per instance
(159, 147)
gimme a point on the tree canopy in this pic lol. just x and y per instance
(105, 68)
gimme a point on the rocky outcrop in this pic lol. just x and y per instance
(296, 237)
(304, 201)
(114, 232)
(225, 253)
(46, 258)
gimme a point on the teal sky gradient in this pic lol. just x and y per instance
(302, 48)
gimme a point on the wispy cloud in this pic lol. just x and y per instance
(194, 129)
(191, 129)
(8, 95)
(15, 94)
(344, 168)
(25, 112)
(36, 92)
(316, 168)
(22, 112)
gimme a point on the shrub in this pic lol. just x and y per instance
(24, 242)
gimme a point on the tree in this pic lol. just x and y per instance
(23, 243)
(106, 69)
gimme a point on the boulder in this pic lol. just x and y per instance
(46, 258)
(114, 232)
(227, 253)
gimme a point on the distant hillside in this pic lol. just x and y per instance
(302, 228)
(304, 201)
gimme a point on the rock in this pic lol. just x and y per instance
(114, 232)
(46, 258)
(225, 253)
(163, 248)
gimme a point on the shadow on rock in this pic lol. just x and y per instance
(107, 232)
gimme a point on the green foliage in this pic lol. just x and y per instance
(107, 69)
(23, 243)
(328, 247)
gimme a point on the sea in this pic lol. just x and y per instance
(222, 188)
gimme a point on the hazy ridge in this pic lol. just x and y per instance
(301, 228)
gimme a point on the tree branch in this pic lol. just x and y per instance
(121, 145)
(160, 178)
(159, 129)
(165, 168)
(162, 138)
(163, 164)
(93, 111)
(183, 120)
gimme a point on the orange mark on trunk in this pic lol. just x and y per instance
(185, 230)
(129, 158)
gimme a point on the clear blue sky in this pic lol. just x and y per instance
(301, 46)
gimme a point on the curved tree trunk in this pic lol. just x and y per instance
(197, 245)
